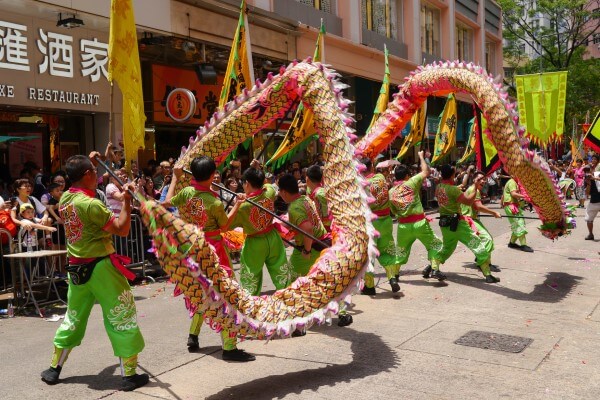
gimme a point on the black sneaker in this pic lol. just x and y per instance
(590, 237)
(526, 249)
(133, 382)
(345, 320)
(491, 279)
(237, 355)
(299, 333)
(368, 291)
(437, 274)
(192, 342)
(394, 284)
(494, 268)
(514, 246)
(427, 272)
(50, 376)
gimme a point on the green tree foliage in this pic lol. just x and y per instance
(559, 47)
(557, 43)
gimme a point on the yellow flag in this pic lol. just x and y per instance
(302, 128)
(470, 150)
(417, 130)
(384, 92)
(240, 71)
(541, 99)
(445, 139)
(592, 136)
(124, 67)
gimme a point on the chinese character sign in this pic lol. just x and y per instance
(56, 49)
(13, 46)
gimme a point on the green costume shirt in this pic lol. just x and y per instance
(84, 218)
(469, 211)
(379, 190)
(303, 209)
(252, 219)
(405, 198)
(510, 186)
(200, 208)
(447, 197)
(318, 197)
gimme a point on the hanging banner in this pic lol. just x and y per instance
(541, 99)
(124, 67)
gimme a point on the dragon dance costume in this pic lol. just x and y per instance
(405, 204)
(456, 227)
(207, 212)
(513, 208)
(300, 210)
(263, 245)
(318, 197)
(384, 225)
(96, 274)
(483, 233)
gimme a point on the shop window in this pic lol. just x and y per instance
(380, 16)
(464, 43)
(323, 5)
(430, 30)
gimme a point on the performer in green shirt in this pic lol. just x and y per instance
(302, 213)
(96, 274)
(474, 210)
(384, 225)
(316, 192)
(405, 203)
(263, 245)
(199, 205)
(511, 202)
(457, 227)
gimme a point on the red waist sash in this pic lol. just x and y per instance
(411, 218)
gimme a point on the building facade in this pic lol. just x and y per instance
(60, 94)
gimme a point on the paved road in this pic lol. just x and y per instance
(400, 346)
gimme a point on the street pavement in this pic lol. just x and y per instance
(400, 346)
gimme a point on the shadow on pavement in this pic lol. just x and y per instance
(105, 380)
(371, 357)
(553, 289)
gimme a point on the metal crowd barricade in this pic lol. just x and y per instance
(132, 245)
(5, 264)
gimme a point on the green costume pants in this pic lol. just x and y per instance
(517, 225)
(485, 236)
(266, 249)
(300, 264)
(387, 250)
(108, 287)
(229, 343)
(469, 238)
(421, 230)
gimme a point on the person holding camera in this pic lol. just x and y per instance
(593, 189)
